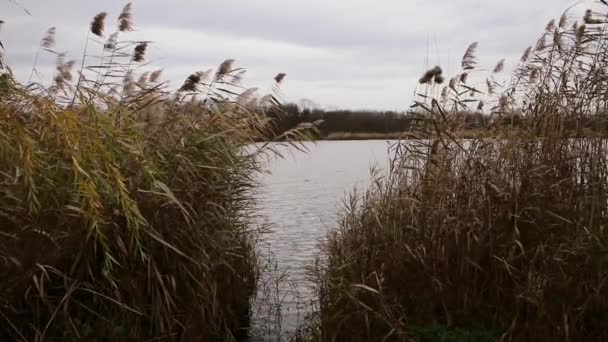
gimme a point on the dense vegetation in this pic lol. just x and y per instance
(125, 209)
(484, 239)
(361, 124)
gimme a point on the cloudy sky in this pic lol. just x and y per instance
(338, 53)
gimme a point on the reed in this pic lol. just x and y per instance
(125, 211)
(483, 239)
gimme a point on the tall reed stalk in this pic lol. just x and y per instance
(484, 239)
(133, 227)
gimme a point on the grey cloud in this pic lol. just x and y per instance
(349, 53)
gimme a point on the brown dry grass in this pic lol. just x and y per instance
(125, 208)
(485, 239)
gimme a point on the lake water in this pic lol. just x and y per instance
(301, 197)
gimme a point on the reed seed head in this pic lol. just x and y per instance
(580, 34)
(98, 24)
(191, 83)
(238, 77)
(550, 25)
(503, 103)
(557, 39)
(463, 77)
(526, 54)
(125, 22)
(143, 79)
(266, 100)
(490, 85)
(139, 52)
(534, 74)
(246, 96)
(444, 94)
(111, 41)
(279, 77)
(453, 82)
(468, 60)
(155, 75)
(541, 44)
(591, 19)
(432, 75)
(128, 84)
(64, 70)
(224, 69)
(563, 21)
(500, 66)
(48, 41)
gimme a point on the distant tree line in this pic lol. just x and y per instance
(289, 116)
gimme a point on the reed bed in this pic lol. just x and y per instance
(125, 207)
(483, 239)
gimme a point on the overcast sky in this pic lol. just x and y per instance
(339, 53)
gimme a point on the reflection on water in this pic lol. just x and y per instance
(301, 197)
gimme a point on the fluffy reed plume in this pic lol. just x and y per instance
(266, 100)
(139, 52)
(155, 75)
(463, 77)
(224, 69)
(526, 54)
(253, 103)
(500, 66)
(279, 77)
(563, 21)
(468, 60)
(128, 84)
(64, 70)
(541, 44)
(534, 74)
(143, 79)
(104, 216)
(125, 19)
(238, 77)
(490, 86)
(503, 103)
(557, 39)
(453, 82)
(434, 74)
(550, 25)
(246, 96)
(192, 82)
(98, 24)
(48, 41)
(591, 19)
(580, 34)
(444, 94)
(110, 43)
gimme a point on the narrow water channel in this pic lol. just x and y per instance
(301, 197)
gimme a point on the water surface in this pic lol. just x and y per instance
(301, 196)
